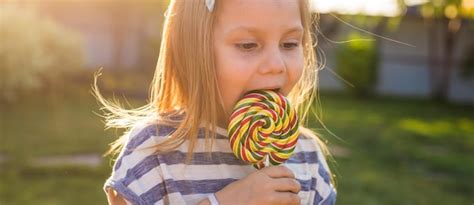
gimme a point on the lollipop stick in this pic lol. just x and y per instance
(267, 161)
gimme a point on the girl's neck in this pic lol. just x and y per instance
(222, 122)
(222, 118)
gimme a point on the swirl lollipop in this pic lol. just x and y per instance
(263, 128)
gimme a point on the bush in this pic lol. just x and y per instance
(357, 62)
(35, 52)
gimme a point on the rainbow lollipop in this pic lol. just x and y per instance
(263, 128)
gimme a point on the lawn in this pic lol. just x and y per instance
(400, 151)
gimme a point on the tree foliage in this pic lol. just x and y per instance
(35, 52)
(357, 62)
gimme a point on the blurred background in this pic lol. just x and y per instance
(396, 90)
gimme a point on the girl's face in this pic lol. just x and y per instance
(257, 45)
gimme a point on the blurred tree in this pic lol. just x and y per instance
(35, 52)
(366, 28)
(445, 18)
(357, 62)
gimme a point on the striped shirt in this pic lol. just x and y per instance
(142, 177)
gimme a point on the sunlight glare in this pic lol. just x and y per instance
(366, 7)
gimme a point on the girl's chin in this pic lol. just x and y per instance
(223, 119)
(222, 123)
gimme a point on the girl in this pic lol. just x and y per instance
(212, 52)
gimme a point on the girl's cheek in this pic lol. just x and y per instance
(297, 67)
(243, 64)
(246, 56)
(295, 58)
(296, 54)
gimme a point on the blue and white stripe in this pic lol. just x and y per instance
(142, 177)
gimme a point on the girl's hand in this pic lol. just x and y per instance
(270, 185)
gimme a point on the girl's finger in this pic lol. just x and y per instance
(278, 172)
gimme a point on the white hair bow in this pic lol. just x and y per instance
(210, 5)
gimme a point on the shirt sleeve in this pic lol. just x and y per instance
(135, 166)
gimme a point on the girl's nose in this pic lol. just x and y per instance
(273, 62)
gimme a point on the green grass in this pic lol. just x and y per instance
(55, 124)
(402, 151)
(49, 126)
(58, 185)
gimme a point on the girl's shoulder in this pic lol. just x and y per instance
(310, 154)
(313, 145)
(147, 133)
(311, 140)
(137, 162)
(151, 130)
(140, 144)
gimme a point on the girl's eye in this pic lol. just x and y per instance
(247, 46)
(289, 45)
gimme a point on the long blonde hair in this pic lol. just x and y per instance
(185, 81)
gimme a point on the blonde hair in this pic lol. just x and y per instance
(185, 82)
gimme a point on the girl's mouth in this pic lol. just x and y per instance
(277, 90)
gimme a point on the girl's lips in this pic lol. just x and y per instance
(274, 89)
(277, 90)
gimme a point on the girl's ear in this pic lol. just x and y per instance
(210, 5)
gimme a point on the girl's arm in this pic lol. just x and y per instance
(270, 185)
(204, 202)
(114, 198)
